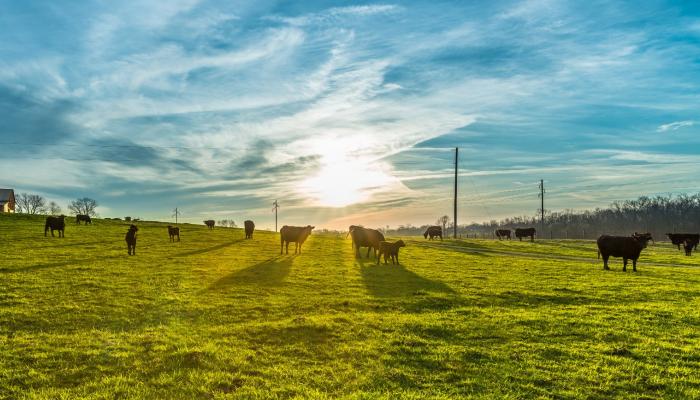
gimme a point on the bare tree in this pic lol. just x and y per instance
(444, 220)
(84, 206)
(54, 208)
(31, 204)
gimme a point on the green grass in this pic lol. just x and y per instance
(216, 316)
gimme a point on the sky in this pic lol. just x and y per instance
(348, 112)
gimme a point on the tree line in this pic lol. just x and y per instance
(27, 203)
(658, 215)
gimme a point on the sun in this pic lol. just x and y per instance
(341, 182)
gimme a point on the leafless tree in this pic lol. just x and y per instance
(84, 206)
(31, 204)
(54, 208)
(443, 221)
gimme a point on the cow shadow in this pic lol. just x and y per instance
(208, 249)
(38, 267)
(387, 280)
(271, 272)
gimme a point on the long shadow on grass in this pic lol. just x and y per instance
(208, 249)
(271, 272)
(387, 280)
(31, 268)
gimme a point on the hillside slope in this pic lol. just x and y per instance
(218, 316)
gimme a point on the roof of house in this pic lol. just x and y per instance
(5, 195)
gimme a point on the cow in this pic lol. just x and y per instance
(249, 228)
(55, 224)
(210, 223)
(296, 234)
(83, 217)
(503, 233)
(688, 246)
(679, 239)
(172, 232)
(627, 247)
(390, 250)
(433, 231)
(131, 240)
(520, 233)
(364, 237)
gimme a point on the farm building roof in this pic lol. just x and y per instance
(5, 195)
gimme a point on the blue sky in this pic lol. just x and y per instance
(347, 112)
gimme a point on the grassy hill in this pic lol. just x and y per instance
(216, 316)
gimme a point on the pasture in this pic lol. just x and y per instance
(217, 316)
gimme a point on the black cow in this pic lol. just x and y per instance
(82, 217)
(55, 224)
(627, 247)
(210, 223)
(131, 240)
(503, 233)
(520, 233)
(365, 237)
(688, 246)
(249, 228)
(172, 232)
(295, 234)
(433, 231)
(679, 239)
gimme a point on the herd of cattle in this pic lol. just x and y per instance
(626, 247)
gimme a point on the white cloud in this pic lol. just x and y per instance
(674, 126)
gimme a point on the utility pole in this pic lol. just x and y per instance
(454, 219)
(176, 213)
(275, 206)
(541, 196)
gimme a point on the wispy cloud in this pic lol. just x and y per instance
(675, 126)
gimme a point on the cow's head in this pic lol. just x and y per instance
(400, 243)
(643, 238)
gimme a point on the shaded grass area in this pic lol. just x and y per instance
(217, 316)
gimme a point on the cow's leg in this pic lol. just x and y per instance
(133, 252)
(368, 250)
(624, 264)
(634, 264)
(397, 259)
(605, 262)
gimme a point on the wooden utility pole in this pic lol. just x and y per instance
(541, 196)
(176, 213)
(454, 219)
(275, 206)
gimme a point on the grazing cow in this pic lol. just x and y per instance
(364, 237)
(82, 217)
(131, 240)
(249, 228)
(627, 247)
(172, 232)
(390, 250)
(503, 233)
(55, 224)
(296, 234)
(520, 233)
(433, 231)
(679, 239)
(210, 223)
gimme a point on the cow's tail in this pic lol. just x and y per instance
(349, 232)
(599, 254)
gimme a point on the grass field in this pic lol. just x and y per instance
(216, 316)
